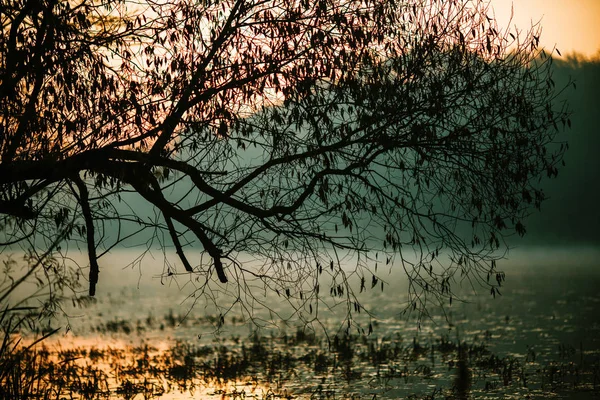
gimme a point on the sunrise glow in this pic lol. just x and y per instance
(571, 26)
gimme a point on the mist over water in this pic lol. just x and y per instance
(549, 289)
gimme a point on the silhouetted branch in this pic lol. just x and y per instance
(286, 132)
(83, 199)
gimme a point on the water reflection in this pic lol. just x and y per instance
(540, 338)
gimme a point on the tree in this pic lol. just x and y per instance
(410, 132)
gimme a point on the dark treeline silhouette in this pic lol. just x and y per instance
(571, 214)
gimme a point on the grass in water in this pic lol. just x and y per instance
(296, 366)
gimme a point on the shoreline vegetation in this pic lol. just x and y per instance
(297, 365)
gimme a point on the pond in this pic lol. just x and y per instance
(141, 339)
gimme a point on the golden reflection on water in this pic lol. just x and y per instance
(128, 369)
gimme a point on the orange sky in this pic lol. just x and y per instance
(571, 25)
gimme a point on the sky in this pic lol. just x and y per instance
(570, 25)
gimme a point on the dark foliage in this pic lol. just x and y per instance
(304, 135)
